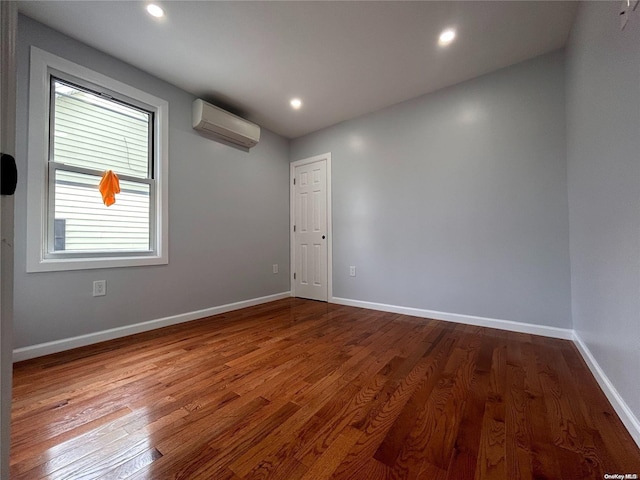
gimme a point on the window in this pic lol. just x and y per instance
(82, 124)
(88, 134)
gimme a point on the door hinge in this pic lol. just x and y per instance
(294, 180)
(294, 276)
(294, 228)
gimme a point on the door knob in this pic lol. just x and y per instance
(323, 237)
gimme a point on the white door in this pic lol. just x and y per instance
(310, 230)
(8, 22)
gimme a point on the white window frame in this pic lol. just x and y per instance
(43, 65)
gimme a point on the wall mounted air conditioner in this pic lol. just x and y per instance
(221, 124)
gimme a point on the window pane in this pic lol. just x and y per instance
(95, 132)
(89, 225)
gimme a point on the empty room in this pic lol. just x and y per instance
(320, 240)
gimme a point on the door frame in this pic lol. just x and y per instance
(8, 24)
(292, 247)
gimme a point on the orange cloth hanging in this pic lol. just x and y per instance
(109, 186)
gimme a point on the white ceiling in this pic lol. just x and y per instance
(343, 59)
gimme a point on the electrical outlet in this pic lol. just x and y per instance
(352, 271)
(99, 288)
(275, 268)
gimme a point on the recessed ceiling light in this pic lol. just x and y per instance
(446, 37)
(155, 10)
(296, 103)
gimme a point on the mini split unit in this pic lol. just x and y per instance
(220, 124)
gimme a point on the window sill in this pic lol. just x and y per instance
(64, 264)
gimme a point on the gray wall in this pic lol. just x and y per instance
(457, 201)
(603, 150)
(228, 220)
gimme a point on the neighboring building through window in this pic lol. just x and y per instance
(92, 124)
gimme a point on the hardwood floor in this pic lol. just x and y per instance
(298, 389)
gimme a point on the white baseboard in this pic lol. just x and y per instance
(555, 332)
(619, 405)
(622, 409)
(33, 351)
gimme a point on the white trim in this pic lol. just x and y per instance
(626, 415)
(293, 165)
(545, 331)
(37, 148)
(8, 31)
(33, 351)
(617, 402)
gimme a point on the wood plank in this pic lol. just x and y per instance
(327, 462)
(465, 455)
(395, 440)
(492, 451)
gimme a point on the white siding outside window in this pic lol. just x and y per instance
(92, 124)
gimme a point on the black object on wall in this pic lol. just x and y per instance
(8, 175)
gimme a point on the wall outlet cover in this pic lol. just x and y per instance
(99, 288)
